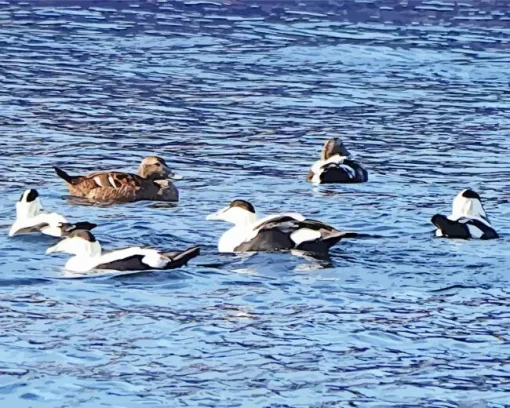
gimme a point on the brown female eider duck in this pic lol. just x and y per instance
(30, 217)
(276, 232)
(468, 219)
(87, 255)
(336, 166)
(151, 183)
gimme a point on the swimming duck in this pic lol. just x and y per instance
(30, 217)
(468, 219)
(87, 255)
(273, 233)
(151, 183)
(336, 166)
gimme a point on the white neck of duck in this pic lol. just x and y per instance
(89, 250)
(468, 207)
(78, 247)
(234, 215)
(241, 218)
(336, 158)
(86, 259)
(243, 221)
(30, 209)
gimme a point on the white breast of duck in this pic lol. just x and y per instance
(468, 219)
(275, 232)
(336, 166)
(242, 215)
(31, 217)
(88, 255)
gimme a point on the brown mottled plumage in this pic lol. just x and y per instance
(332, 147)
(151, 183)
(336, 166)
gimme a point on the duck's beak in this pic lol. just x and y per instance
(174, 176)
(56, 248)
(171, 174)
(217, 215)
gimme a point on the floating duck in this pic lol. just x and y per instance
(87, 255)
(30, 217)
(336, 166)
(273, 233)
(151, 183)
(468, 219)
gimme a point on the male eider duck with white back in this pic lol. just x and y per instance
(468, 219)
(273, 233)
(88, 256)
(30, 217)
(336, 166)
(151, 183)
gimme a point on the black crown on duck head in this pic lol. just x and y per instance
(245, 205)
(31, 196)
(470, 194)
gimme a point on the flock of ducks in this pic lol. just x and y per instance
(278, 232)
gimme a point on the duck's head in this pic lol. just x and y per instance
(29, 204)
(239, 212)
(332, 147)
(67, 228)
(155, 168)
(468, 204)
(80, 243)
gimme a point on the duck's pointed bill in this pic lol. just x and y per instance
(56, 248)
(212, 217)
(170, 174)
(174, 176)
(217, 215)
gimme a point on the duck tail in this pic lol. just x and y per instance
(335, 236)
(181, 258)
(64, 176)
(348, 234)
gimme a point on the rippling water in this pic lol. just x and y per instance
(239, 97)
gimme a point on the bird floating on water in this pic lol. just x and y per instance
(151, 183)
(273, 233)
(336, 166)
(88, 255)
(468, 219)
(31, 217)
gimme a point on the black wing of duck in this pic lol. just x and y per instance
(286, 232)
(463, 228)
(347, 171)
(137, 262)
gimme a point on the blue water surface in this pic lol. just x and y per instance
(239, 96)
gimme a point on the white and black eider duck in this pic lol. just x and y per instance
(87, 255)
(336, 166)
(468, 219)
(151, 183)
(30, 217)
(273, 233)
